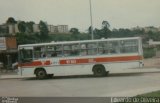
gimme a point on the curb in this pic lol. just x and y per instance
(2, 77)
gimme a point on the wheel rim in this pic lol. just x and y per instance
(41, 74)
(99, 70)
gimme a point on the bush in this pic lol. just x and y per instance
(149, 52)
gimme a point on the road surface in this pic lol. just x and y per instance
(120, 84)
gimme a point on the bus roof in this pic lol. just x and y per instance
(80, 41)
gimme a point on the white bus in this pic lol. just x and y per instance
(80, 57)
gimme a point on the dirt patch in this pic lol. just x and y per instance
(152, 62)
(5, 71)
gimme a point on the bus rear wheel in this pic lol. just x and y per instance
(99, 70)
(41, 74)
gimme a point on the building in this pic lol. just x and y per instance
(136, 28)
(52, 29)
(13, 29)
(8, 50)
(147, 29)
(62, 28)
(3, 29)
(58, 29)
(36, 28)
(151, 28)
(16, 28)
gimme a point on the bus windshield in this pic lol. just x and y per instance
(26, 55)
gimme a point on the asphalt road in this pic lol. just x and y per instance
(122, 84)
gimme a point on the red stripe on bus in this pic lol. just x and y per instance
(98, 60)
(36, 63)
(84, 61)
(114, 59)
(48, 62)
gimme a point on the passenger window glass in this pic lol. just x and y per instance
(129, 46)
(57, 52)
(39, 52)
(51, 51)
(92, 48)
(108, 47)
(48, 51)
(71, 50)
(88, 49)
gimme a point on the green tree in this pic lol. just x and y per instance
(22, 26)
(105, 29)
(105, 24)
(104, 32)
(29, 27)
(43, 29)
(74, 31)
(97, 33)
(90, 30)
(11, 20)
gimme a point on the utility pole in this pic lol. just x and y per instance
(92, 36)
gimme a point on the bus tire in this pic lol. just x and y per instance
(41, 73)
(99, 70)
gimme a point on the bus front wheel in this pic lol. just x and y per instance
(41, 74)
(99, 70)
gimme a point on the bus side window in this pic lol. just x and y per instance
(54, 54)
(75, 50)
(83, 51)
(129, 46)
(92, 48)
(39, 52)
(43, 55)
(71, 50)
(54, 51)
(108, 47)
(58, 49)
(102, 48)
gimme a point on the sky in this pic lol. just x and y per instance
(76, 13)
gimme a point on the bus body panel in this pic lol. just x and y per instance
(118, 67)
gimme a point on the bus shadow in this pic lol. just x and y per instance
(92, 76)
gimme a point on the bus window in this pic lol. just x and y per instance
(67, 50)
(88, 49)
(92, 48)
(58, 50)
(83, 51)
(26, 55)
(75, 50)
(129, 46)
(39, 52)
(51, 51)
(114, 47)
(71, 50)
(102, 48)
(108, 47)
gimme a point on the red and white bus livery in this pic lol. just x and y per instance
(80, 57)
